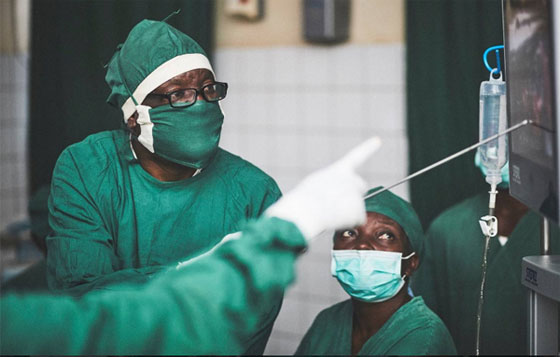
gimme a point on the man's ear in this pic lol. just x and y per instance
(131, 122)
(132, 125)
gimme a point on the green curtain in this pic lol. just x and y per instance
(71, 42)
(445, 40)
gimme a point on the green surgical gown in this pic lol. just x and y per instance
(210, 306)
(113, 222)
(449, 278)
(412, 330)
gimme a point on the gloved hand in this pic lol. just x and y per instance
(330, 198)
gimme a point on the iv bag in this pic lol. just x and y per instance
(493, 119)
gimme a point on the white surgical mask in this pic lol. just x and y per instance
(368, 275)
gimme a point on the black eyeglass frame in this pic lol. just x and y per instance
(197, 91)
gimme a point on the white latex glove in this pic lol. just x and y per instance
(330, 198)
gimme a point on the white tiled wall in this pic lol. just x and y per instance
(291, 110)
(13, 139)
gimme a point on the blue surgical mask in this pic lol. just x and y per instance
(368, 275)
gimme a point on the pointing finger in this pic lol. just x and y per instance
(358, 155)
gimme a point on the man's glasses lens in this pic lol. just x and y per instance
(187, 97)
(183, 97)
(214, 92)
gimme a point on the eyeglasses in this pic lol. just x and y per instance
(186, 97)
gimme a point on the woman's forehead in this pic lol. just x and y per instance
(373, 217)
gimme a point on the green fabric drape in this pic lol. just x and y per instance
(71, 42)
(445, 42)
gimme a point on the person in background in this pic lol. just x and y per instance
(449, 280)
(126, 204)
(212, 303)
(374, 263)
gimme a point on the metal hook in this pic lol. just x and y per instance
(485, 58)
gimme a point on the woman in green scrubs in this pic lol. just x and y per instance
(373, 263)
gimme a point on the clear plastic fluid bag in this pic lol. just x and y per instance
(493, 119)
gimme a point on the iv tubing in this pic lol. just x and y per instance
(492, 202)
(481, 296)
(451, 157)
(491, 209)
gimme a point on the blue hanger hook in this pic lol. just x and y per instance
(485, 58)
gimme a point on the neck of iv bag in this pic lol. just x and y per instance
(492, 120)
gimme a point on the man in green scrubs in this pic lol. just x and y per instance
(381, 318)
(125, 204)
(449, 279)
(212, 303)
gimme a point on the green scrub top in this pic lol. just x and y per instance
(210, 306)
(412, 330)
(113, 222)
(449, 278)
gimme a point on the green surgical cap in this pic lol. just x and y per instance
(400, 211)
(149, 45)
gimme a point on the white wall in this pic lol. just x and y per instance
(293, 109)
(14, 58)
(13, 138)
(14, 44)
